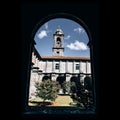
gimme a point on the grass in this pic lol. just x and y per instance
(61, 100)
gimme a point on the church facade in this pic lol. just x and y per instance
(57, 67)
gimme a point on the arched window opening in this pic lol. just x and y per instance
(64, 57)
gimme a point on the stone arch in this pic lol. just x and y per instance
(62, 15)
(60, 79)
(46, 77)
(75, 79)
(75, 84)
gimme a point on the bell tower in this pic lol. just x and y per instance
(58, 40)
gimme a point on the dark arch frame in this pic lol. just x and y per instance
(79, 21)
(62, 15)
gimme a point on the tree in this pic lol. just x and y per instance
(66, 87)
(47, 90)
(82, 96)
(88, 83)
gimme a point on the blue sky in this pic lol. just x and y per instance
(75, 38)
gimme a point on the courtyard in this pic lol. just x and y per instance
(61, 100)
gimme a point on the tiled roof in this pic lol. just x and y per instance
(65, 57)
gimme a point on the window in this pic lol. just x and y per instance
(57, 66)
(57, 52)
(77, 66)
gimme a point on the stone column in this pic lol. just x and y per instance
(86, 67)
(60, 66)
(53, 64)
(73, 66)
(65, 66)
(46, 66)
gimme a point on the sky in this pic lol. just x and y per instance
(75, 38)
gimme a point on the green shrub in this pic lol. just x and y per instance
(47, 90)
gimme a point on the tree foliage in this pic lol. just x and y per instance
(66, 87)
(47, 90)
(82, 95)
